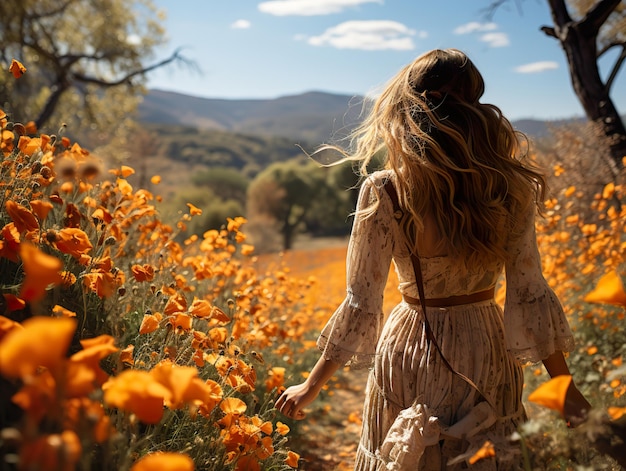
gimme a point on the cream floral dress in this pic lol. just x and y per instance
(418, 415)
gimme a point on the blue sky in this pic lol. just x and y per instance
(267, 49)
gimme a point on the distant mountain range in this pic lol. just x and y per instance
(312, 117)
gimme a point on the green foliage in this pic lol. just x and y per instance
(228, 183)
(247, 153)
(299, 195)
(85, 60)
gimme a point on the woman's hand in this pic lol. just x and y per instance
(294, 399)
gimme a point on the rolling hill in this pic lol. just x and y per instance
(312, 117)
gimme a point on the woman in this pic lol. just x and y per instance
(444, 381)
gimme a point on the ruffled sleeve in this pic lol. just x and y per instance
(352, 332)
(535, 324)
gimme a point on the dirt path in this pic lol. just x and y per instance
(331, 433)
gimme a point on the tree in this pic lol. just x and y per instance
(599, 29)
(286, 192)
(85, 59)
(229, 183)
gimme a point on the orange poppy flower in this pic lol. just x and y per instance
(62, 312)
(102, 214)
(72, 241)
(282, 429)
(30, 145)
(486, 451)
(143, 272)
(58, 451)
(181, 321)
(609, 290)
(3, 119)
(94, 350)
(17, 68)
(150, 323)
(38, 395)
(103, 284)
(9, 242)
(176, 303)
(247, 249)
(177, 380)
(137, 392)
(7, 325)
(200, 308)
(615, 412)
(275, 378)
(552, 393)
(218, 315)
(248, 463)
(13, 303)
(40, 270)
(233, 406)
(193, 210)
(212, 395)
(292, 459)
(161, 461)
(73, 216)
(31, 127)
(80, 380)
(41, 208)
(126, 355)
(42, 342)
(23, 218)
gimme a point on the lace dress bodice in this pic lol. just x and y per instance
(535, 324)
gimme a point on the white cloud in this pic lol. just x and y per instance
(241, 24)
(497, 39)
(309, 7)
(374, 35)
(488, 33)
(474, 27)
(536, 67)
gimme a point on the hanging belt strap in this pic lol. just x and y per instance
(399, 214)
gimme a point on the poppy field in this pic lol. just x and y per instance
(126, 345)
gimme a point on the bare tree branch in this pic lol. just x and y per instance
(51, 103)
(615, 69)
(104, 83)
(549, 31)
(597, 16)
(55, 11)
(610, 46)
(560, 14)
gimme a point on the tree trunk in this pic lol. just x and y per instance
(578, 40)
(593, 95)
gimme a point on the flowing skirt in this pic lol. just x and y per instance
(418, 415)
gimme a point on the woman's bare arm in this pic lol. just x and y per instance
(295, 398)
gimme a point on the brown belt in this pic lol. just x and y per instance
(453, 300)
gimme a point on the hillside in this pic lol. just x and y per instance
(196, 133)
(313, 117)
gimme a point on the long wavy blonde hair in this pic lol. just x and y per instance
(455, 158)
